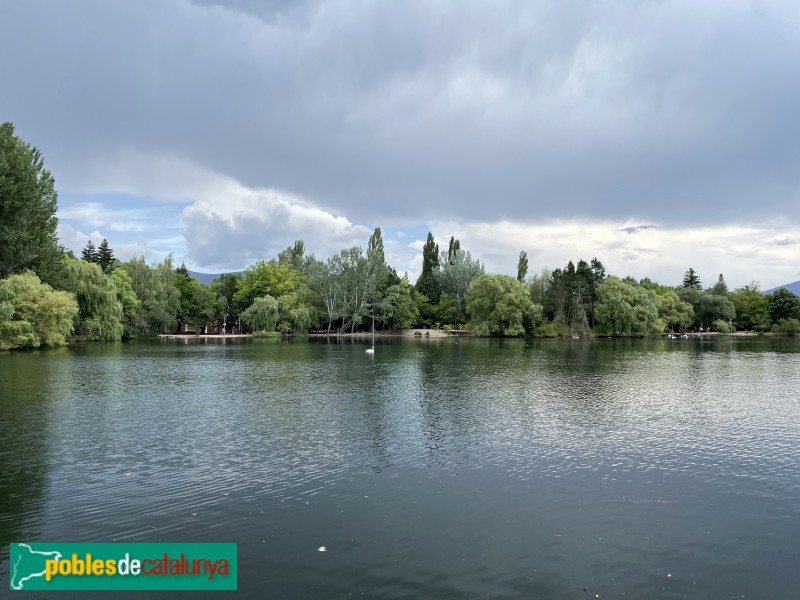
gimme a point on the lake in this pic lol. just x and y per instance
(434, 469)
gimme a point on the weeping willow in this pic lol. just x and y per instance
(33, 314)
(100, 317)
(263, 314)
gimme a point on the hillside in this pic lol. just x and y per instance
(792, 287)
(207, 278)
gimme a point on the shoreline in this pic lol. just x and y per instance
(441, 333)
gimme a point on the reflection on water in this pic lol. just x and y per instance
(478, 468)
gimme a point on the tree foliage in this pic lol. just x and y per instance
(266, 278)
(456, 272)
(155, 289)
(752, 308)
(100, 317)
(522, 266)
(498, 305)
(691, 280)
(33, 314)
(262, 314)
(28, 204)
(426, 282)
(707, 306)
(626, 309)
(198, 304)
(784, 304)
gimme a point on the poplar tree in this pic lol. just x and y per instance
(522, 266)
(426, 283)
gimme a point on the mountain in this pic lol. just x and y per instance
(792, 287)
(207, 278)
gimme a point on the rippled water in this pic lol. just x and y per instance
(479, 469)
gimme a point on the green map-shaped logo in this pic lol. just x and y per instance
(27, 564)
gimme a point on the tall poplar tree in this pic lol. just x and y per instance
(426, 283)
(522, 266)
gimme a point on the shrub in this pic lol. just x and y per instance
(721, 326)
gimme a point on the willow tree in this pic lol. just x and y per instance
(100, 316)
(262, 314)
(499, 304)
(33, 314)
(627, 309)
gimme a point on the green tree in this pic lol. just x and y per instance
(89, 253)
(266, 278)
(539, 285)
(401, 306)
(707, 307)
(105, 257)
(626, 309)
(262, 314)
(325, 279)
(522, 266)
(224, 288)
(454, 276)
(673, 312)
(426, 282)
(33, 314)
(28, 204)
(127, 299)
(100, 317)
(691, 280)
(720, 288)
(154, 287)
(752, 308)
(498, 305)
(198, 304)
(293, 257)
(784, 305)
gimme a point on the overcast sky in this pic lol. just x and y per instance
(654, 135)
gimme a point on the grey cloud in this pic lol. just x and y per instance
(667, 112)
(785, 241)
(637, 228)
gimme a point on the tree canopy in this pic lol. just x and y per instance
(28, 204)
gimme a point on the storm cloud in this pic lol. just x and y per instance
(676, 114)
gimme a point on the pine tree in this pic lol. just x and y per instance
(89, 253)
(691, 280)
(105, 257)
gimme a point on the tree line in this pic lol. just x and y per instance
(48, 296)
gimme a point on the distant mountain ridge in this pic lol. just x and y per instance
(792, 287)
(207, 278)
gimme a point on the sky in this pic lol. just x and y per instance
(655, 135)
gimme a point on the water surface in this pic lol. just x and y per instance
(468, 468)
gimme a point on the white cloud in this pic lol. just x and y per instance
(230, 226)
(661, 253)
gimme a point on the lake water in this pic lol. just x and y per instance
(435, 469)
